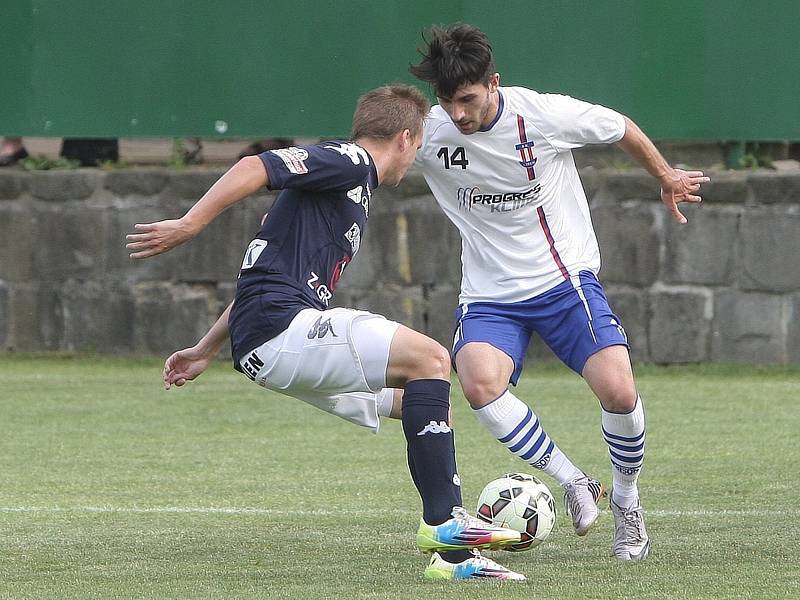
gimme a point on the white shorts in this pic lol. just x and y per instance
(335, 360)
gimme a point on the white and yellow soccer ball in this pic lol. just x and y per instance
(521, 502)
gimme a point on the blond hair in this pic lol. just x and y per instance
(387, 110)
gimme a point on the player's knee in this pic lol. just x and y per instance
(439, 360)
(481, 388)
(620, 399)
(431, 361)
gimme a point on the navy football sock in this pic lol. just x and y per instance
(431, 449)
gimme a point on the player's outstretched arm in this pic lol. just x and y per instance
(241, 180)
(677, 185)
(187, 364)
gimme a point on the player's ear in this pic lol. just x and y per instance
(406, 139)
(494, 82)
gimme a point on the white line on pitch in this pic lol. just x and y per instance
(233, 510)
(228, 510)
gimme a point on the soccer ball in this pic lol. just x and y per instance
(521, 502)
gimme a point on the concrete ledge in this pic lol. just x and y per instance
(63, 186)
(136, 182)
(770, 187)
(12, 184)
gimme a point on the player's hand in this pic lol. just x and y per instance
(151, 239)
(184, 365)
(681, 186)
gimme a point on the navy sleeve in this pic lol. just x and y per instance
(319, 167)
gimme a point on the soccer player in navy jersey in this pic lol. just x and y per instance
(354, 364)
(499, 163)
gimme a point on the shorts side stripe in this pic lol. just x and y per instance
(582, 296)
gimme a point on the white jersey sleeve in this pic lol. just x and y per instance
(569, 123)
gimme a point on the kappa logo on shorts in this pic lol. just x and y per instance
(321, 329)
(434, 427)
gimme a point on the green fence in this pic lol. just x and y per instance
(714, 69)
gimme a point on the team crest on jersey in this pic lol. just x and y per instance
(294, 158)
(361, 194)
(525, 149)
(353, 236)
(352, 151)
(254, 250)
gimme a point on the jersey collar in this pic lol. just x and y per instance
(499, 112)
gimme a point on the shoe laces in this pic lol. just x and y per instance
(633, 524)
(485, 562)
(460, 514)
(573, 489)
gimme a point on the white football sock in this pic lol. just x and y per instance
(625, 436)
(516, 426)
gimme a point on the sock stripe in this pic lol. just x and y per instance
(530, 453)
(518, 428)
(523, 448)
(622, 438)
(627, 459)
(624, 448)
(538, 444)
(526, 438)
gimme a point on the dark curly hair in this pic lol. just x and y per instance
(455, 55)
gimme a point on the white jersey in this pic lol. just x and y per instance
(514, 193)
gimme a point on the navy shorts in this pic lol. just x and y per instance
(573, 319)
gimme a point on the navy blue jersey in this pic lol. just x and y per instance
(312, 232)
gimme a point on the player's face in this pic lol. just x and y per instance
(473, 105)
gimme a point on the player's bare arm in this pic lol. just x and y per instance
(244, 178)
(187, 364)
(677, 185)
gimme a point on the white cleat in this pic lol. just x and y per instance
(631, 541)
(580, 501)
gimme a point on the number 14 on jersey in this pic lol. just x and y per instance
(456, 158)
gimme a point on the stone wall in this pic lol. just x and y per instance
(725, 287)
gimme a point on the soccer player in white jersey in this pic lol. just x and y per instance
(346, 362)
(498, 161)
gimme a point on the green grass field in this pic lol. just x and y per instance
(111, 487)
